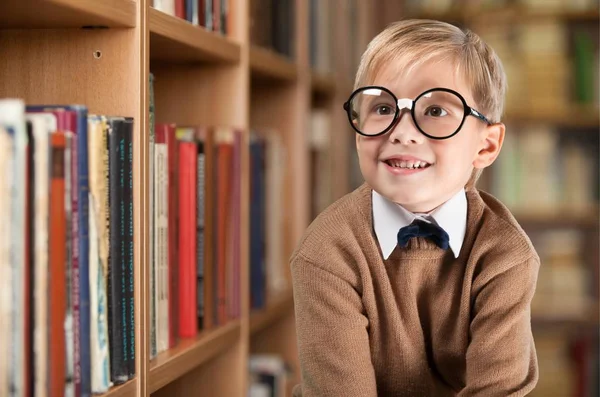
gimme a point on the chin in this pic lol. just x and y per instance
(412, 201)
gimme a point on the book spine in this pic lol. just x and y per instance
(83, 276)
(100, 375)
(187, 240)
(118, 324)
(200, 175)
(161, 247)
(173, 189)
(57, 267)
(70, 295)
(151, 188)
(130, 247)
(30, 260)
(41, 270)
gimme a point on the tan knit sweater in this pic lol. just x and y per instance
(421, 323)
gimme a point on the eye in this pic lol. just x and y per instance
(383, 110)
(435, 111)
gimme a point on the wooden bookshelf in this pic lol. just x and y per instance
(191, 353)
(176, 40)
(267, 64)
(277, 307)
(127, 389)
(100, 53)
(67, 13)
(322, 84)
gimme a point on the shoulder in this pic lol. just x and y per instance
(338, 232)
(499, 240)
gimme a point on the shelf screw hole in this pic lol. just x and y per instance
(97, 54)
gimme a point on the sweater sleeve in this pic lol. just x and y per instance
(501, 357)
(333, 343)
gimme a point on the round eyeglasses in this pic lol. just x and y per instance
(439, 113)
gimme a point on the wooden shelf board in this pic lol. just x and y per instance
(191, 353)
(67, 13)
(558, 218)
(127, 389)
(278, 306)
(267, 64)
(514, 14)
(588, 319)
(175, 39)
(576, 116)
(322, 83)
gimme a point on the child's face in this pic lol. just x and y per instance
(451, 160)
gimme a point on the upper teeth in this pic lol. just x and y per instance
(408, 164)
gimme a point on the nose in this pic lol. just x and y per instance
(405, 131)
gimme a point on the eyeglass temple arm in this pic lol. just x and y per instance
(479, 116)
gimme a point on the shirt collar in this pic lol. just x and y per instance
(389, 217)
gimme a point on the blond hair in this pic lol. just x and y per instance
(409, 43)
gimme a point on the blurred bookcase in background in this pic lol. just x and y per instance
(548, 170)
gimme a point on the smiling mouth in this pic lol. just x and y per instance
(408, 165)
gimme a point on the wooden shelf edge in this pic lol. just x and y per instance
(279, 306)
(127, 389)
(271, 65)
(322, 83)
(175, 39)
(500, 14)
(585, 116)
(558, 218)
(190, 354)
(67, 13)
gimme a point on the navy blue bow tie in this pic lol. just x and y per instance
(419, 228)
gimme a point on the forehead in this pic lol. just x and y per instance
(408, 79)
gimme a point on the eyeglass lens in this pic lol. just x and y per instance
(437, 113)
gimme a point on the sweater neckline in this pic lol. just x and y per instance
(420, 247)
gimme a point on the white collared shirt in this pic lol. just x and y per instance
(389, 218)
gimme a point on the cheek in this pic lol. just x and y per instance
(368, 149)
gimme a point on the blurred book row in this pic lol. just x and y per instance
(550, 65)
(273, 25)
(66, 226)
(213, 15)
(546, 170)
(443, 6)
(195, 226)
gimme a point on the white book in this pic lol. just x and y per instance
(275, 172)
(161, 240)
(98, 254)
(12, 116)
(6, 168)
(167, 6)
(42, 126)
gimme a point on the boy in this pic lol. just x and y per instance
(416, 283)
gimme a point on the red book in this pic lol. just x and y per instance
(224, 149)
(57, 263)
(180, 9)
(188, 322)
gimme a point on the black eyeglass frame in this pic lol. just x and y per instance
(468, 111)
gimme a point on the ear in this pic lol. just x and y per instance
(490, 145)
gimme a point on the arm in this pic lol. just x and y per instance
(501, 357)
(333, 343)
